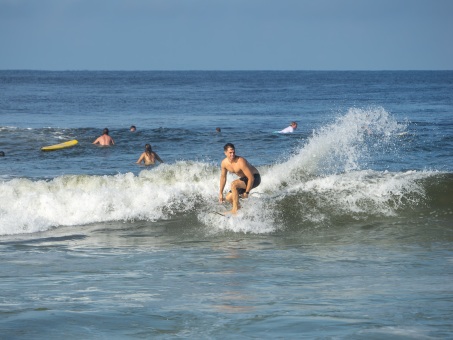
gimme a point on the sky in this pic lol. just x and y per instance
(226, 34)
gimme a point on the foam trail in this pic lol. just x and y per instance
(257, 216)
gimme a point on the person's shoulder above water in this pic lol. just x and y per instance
(149, 157)
(104, 139)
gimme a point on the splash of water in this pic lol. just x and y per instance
(338, 147)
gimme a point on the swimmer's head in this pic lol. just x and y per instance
(228, 146)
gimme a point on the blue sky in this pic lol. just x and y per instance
(226, 34)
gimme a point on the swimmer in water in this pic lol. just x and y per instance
(104, 139)
(149, 156)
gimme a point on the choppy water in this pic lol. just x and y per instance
(348, 236)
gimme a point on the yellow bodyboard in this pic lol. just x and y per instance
(64, 145)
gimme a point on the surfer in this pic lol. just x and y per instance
(249, 177)
(290, 128)
(105, 139)
(149, 156)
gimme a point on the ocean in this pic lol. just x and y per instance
(348, 236)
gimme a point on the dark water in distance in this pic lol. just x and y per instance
(348, 236)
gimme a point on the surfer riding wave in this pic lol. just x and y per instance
(249, 177)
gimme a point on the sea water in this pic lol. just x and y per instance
(349, 234)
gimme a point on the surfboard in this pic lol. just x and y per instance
(64, 145)
(218, 213)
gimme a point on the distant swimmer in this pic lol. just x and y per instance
(2, 154)
(289, 129)
(249, 177)
(105, 139)
(218, 129)
(149, 156)
(133, 128)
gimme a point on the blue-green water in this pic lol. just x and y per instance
(349, 234)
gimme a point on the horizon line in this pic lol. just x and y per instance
(226, 70)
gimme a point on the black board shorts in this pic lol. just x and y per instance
(256, 182)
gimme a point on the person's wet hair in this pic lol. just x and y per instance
(228, 146)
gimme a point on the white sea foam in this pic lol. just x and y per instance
(256, 216)
(30, 206)
(366, 192)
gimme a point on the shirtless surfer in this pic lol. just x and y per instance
(105, 139)
(149, 156)
(249, 177)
